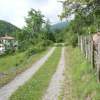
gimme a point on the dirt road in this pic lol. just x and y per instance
(7, 90)
(56, 83)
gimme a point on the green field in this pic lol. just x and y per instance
(12, 65)
(83, 79)
(35, 88)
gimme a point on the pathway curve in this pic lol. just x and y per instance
(55, 86)
(7, 90)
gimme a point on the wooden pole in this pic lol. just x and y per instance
(92, 54)
(98, 63)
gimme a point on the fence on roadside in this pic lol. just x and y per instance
(86, 46)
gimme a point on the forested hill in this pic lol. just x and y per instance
(60, 25)
(7, 28)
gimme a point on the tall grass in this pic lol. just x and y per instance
(10, 61)
(83, 77)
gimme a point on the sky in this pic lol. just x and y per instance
(15, 11)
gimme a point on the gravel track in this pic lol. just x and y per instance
(55, 86)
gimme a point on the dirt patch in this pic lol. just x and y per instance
(90, 96)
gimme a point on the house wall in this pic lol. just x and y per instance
(8, 44)
(2, 49)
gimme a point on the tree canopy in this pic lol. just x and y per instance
(87, 17)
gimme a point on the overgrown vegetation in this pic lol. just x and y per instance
(86, 20)
(35, 33)
(82, 77)
(35, 88)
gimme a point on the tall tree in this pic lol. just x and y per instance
(34, 23)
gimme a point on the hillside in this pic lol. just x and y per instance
(60, 25)
(7, 28)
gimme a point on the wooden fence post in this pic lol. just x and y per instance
(90, 49)
(98, 62)
(85, 43)
(78, 41)
(81, 37)
(92, 54)
(86, 47)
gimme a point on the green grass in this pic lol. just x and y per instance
(12, 65)
(83, 77)
(35, 88)
(8, 62)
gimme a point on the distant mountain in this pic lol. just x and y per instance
(7, 28)
(60, 25)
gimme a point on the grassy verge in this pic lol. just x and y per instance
(10, 61)
(37, 85)
(15, 64)
(83, 78)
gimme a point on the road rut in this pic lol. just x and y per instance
(55, 86)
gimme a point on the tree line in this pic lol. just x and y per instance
(86, 20)
(37, 34)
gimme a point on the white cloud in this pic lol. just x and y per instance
(14, 11)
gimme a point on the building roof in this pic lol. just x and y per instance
(7, 38)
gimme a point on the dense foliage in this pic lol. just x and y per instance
(34, 36)
(86, 21)
(38, 32)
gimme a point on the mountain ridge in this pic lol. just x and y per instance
(8, 28)
(59, 25)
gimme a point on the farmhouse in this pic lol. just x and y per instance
(8, 43)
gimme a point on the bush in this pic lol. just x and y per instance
(59, 44)
(47, 43)
(35, 49)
